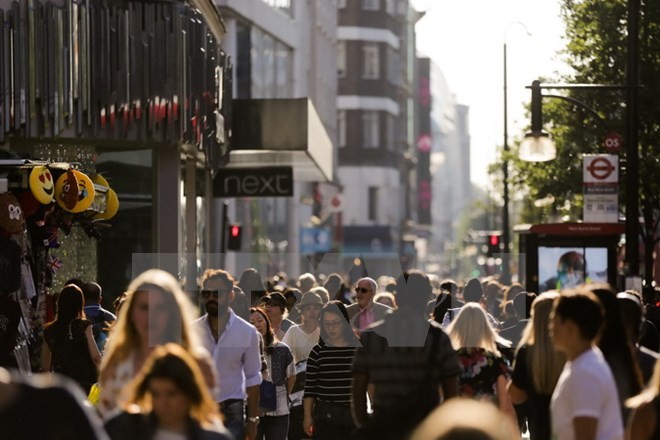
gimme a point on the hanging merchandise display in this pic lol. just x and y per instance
(40, 199)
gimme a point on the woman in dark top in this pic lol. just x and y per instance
(327, 400)
(69, 347)
(617, 347)
(169, 399)
(484, 372)
(536, 368)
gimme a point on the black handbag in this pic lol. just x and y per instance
(267, 395)
(334, 413)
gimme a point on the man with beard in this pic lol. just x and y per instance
(234, 345)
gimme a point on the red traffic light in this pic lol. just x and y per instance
(235, 237)
(494, 240)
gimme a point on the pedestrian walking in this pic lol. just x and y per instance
(69, 347)
(168, 399)
(327, 398)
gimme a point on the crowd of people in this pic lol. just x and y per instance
(325, 358)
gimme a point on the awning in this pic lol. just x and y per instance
(281, 132)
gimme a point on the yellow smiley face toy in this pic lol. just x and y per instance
(86, 192)
(42, 185)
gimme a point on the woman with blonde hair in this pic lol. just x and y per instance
(537, 368)
(484, 372)
(644, 420)
(156, 312)
(168, 400)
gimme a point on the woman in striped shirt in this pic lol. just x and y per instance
(327, 401)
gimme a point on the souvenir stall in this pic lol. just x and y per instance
(132, 90)
(40, 202)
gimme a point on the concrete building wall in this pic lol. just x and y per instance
(307, 30)
(373, 111)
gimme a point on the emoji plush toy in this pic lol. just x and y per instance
(11, 214)
(86, 192)
(74, 191)
(66, 191)
(111, 203)
(42, 184)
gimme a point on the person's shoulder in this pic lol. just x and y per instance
(82, 324)
(281, 346)
(240, 322)
(126, 425)
(295, 330)
(590, 364)
(108, 315)
(209, 432)
(213, 434)
(383, 307)
(201, 320)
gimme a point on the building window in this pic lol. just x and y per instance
(373, 203)
(391, 133)
(283, 5)
(371, 61)
(371, 5)
(341, 128)
(370, 129)
(390, 7)
(393, 66)
(341, 59)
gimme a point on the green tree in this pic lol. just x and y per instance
(596, 50)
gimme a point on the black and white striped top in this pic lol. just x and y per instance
(329, 373)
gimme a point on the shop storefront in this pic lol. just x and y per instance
(130, 91)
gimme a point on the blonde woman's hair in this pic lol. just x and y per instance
(471, 328)
(124, 339)
(650, 392)
(462, 418)
(544, 362)
(172, 362)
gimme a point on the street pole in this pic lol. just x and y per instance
(506, 233)
(632, 150)
(506, 270)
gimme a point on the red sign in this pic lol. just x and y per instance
(424, 143)
(601, 168)
(613, 142)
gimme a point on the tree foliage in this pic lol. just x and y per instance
(596, 49)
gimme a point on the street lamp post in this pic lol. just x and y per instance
(631, 140)
(506, 236)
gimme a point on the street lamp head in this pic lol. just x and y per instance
(537, 147)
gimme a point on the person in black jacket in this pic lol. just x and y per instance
(169, 398)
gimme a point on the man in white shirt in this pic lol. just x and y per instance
(234, 346)
(585, 403)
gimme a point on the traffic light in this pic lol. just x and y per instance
(494, 241)
(234, 237)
